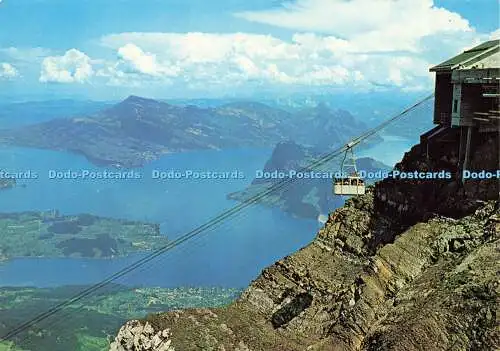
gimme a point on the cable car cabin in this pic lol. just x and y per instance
(352, 185)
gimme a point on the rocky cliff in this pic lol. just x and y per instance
(411, 265)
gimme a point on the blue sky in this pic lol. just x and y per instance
(103, 49)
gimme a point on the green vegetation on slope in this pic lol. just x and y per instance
(87, 326)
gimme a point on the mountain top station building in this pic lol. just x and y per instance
(467, 96)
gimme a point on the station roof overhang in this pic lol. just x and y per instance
(469, 57)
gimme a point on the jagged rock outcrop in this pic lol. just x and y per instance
(435, 288)
(391, 270)
(136, 336)
(417, 200)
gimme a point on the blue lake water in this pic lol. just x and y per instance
(231, 255)
(391, 150)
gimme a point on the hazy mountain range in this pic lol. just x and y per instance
(138, 130)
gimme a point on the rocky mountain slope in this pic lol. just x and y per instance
(138, 130)
(411, 265)
(306, 197)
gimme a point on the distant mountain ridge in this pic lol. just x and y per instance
(138, 130)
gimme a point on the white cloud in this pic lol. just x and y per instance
(134, 59)
(7, 71)
(233, 59)
(73, 67)
(495, 34)
(349, 43)
(200, 48)
(368, 25)
(221, 58)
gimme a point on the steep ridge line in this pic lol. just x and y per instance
(400, 274)
(317, 300)
(186, 237)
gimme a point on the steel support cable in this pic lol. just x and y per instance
(208, 225)
(65, 313)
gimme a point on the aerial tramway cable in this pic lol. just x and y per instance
(206, 226)
(63, 315)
